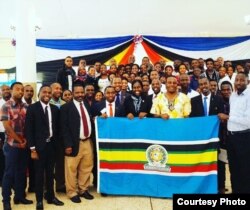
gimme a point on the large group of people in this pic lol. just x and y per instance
(54, 138)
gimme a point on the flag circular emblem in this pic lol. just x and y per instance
(157, 155)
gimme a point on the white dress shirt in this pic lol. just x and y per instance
(239, 116)
(108, 109)
(77, 104)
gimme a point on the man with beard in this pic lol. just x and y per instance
(13, 114)
(5, 90)
(206, 103)
(172, 104)
(27, 98)
(89, 94)
(238, 124)
(156, 88)
(77, 131)
(185, 86)
(28, 94)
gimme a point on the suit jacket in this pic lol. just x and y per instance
(130, 108)
(36, 128)
(98, 107)
(123, 96)
(215, 107)
(70, 121)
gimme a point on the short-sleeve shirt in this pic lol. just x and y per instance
(15, 113)
(180, 107)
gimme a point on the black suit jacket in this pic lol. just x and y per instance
(123, 96)
(215, 107)
(130, 108)
(70, 121)
(98, 107)
(35, 125)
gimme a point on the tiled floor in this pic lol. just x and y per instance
(108, 203)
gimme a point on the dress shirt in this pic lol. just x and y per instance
(208, 101)
(239, 116)
(107, 108)
(77, 104)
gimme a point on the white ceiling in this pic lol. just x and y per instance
(103, 18)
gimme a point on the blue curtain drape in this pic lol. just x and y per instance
(82, 44)
(196, 43)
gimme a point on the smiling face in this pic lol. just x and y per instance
(45, 94)
(78, 93)
(137, 88)
(171, 85)
(204, 86)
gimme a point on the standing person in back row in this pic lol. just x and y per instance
(238, 125)
(66, 75)
(41, 129)
(76, 131)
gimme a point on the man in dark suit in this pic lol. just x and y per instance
(108, 107)
(156, 87)
(206, 103)
(41, 129)
(77, 130)
(119, 94)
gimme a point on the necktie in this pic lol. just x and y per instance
(84, 122)
(205, 106)
(117, 100)
(46, 113)
(111, 110)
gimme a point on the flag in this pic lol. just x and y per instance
(156, 157)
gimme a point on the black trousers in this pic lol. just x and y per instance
(238, 149)
(45, 164)
(2, 159)
(59, 168)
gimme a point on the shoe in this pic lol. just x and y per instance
(61, 190)
(75, 199)
(55, 201)
(39, 206)
(6, 206)
(87, 195)
(23, 201)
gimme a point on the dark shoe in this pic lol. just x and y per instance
(55, 201)
(61, 190)
(87, 195)
(75, 199)
(39, 206)
(23, 201)
(6, 206)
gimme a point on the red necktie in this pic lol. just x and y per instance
(110, 110)
(84, 122)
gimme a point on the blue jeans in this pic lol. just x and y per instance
(15, 172)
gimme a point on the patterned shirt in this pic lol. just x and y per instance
(15, 113)
(178, 108)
